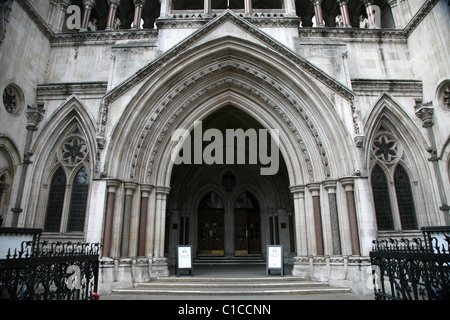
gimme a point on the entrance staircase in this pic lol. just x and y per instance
(247, 259)
(187, 286)
(214, 276)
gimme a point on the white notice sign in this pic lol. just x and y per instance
(275, 257)
(184, 257)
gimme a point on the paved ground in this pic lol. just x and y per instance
(238, 271)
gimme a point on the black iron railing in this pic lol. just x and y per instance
(50, 271)
(417, 269)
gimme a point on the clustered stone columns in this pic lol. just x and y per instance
(321, 237)
(134, 229)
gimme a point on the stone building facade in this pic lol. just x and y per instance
(94, 91)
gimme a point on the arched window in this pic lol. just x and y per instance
(55, 201)
(78, 201)
(405, 199)
(381, 199)
(69, 187)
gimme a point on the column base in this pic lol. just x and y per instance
(159, 268)
(301, 267)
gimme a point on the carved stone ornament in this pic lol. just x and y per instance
(228, 181)
(73, 150)
(386, 148)
(12, 99)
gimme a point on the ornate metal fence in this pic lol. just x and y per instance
(411, 269)
(50, 271)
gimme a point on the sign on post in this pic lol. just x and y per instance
(274, 259)
(185, 259)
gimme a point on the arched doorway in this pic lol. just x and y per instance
(247, 225)
(225, 209)
(211, 225)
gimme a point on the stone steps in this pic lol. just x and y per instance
(186, 286)
(236, 260)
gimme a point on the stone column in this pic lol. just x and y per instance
(126, 221)
(369, 11)
(344, 13)
(315, 190)
(425, 112)
(88, 5)
(396, 14)
(113, 5)
(51, 13)
(318, 13)
(300, 220)
(159, 266)
(138, 5)
(165, 12)
(207, 8)
(289, 6)
(248, 7)
(110, 204)
(330, 186)
(59, 20)
(347, 183)
(34, 116)
(145, 192)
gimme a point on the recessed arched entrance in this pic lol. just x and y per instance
(227, 209)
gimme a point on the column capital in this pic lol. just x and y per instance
(146, 189)
(347, 183)
(392, 3)
(297, 189)
(114, 3)
(314, 188)
(139, 3)
(130, 187)
(112, 185)
(89, 3)
(65, 3)
(34, 116)
(330, 186)
(425, 111)
(162, 190)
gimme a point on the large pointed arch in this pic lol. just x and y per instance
(241, 73)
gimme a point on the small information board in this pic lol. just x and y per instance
(185, 259)
(275, 260)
